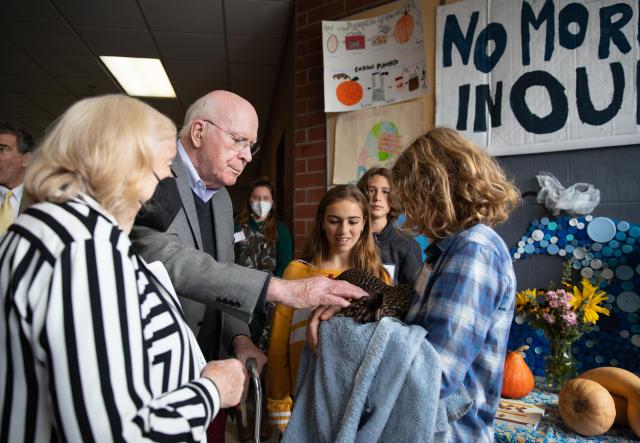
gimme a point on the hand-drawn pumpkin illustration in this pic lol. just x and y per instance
(349, 92)
(404, 28)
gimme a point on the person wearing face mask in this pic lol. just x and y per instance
(95, 343)
(261, 242)
(190, 230)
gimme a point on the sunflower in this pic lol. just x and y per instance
(589, 298)
(523, 298)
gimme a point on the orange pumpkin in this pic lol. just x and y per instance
(518, 379)
(349, 92)
(404, 28)
(586, 407)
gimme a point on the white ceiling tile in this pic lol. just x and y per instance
(70, 65)
(88, 86)
(12, 99)
(26, 112)
(55, 64)
(196, 71)
(248, 73)
(255, 50)
(51, 100)
(56, 111)
(44, 38)
(164, 105)
(19, 63)
(32, 11)
(123, 14)
(204, 47)
(252, 91)
(26, 83)
(119, 42)
(7, 45)
(267, 19)
(191, 91)
(197, 16)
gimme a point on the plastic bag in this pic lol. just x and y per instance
(580, 198)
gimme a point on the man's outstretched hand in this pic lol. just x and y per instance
(312, 292)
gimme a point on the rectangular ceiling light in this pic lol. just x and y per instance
(140, 77)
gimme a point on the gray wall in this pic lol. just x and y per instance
(614, 171)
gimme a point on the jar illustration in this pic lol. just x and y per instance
(414, 82)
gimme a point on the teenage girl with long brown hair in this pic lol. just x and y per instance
(341, 239)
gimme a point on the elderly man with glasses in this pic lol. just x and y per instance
(190, 230)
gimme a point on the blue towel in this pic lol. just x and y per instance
(372, 382)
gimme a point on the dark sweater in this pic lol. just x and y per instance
(400, 250)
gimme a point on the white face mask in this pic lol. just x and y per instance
(260, 208)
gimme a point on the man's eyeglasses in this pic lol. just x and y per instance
(239, 143)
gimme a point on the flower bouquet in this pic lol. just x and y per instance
(563, 314)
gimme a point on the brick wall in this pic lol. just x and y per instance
(310, 130)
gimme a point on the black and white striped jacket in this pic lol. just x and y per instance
(92, 346)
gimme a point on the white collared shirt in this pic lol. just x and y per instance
(15, 198)
(196, 183)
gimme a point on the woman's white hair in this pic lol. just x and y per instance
(101, 146)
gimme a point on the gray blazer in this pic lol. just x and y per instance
(203, 283)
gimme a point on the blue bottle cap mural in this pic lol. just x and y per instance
(599, 249)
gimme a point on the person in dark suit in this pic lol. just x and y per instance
(16, 146)
(194, 240)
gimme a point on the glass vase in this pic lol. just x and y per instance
(559, 364)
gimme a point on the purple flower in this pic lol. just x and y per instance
(549, 318)
(570, 318)
(564, 297)
(552, 299)
(554, 303)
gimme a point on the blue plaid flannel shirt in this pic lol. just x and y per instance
(467, 308)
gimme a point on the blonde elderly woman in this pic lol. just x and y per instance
(94, 343)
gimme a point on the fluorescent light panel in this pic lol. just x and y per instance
(140, 77)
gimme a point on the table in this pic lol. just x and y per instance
(552, 428)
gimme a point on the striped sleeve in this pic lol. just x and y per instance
(98, 340)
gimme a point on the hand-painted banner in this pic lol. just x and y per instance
(539, 75)
(374, 62)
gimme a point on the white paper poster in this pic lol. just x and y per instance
(531, 76)
(374, 137)
(374, 62)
